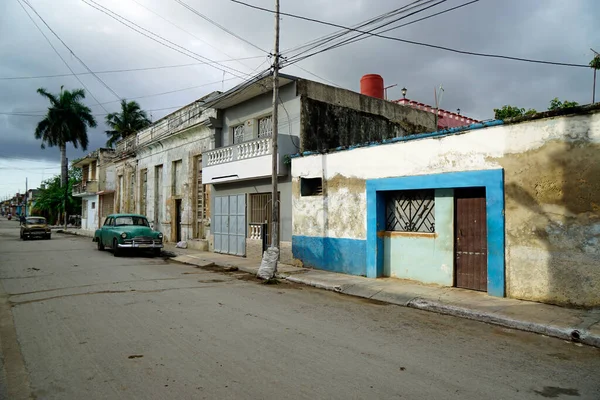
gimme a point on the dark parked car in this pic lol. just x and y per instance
(35, 227)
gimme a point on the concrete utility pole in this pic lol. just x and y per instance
(274, 120)
(26, 196)
(268, 267)
(66, 190)
(594, 85)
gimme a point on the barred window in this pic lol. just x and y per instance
(410, 211)
(238, 133)
(265, 127)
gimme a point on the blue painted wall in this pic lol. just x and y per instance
(337, 255)
(424, 257)
(492, 180)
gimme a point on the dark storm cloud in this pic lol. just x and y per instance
(552, 30)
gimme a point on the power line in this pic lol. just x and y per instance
(393, 14)
(418, 43)
(71, 51)
(329, 39)
(186, 31)
(125, 70)
(58, 53)
(167, 43)
(190, 8)
(422, 19)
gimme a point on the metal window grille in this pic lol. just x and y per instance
(410, 211)
(261, 210)
(238, 134)
(265, 127)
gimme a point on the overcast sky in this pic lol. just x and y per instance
(554, 30)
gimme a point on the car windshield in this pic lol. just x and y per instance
(124, 221)
(35, 221)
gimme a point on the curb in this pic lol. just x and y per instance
(571, 334)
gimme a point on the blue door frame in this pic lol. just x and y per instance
(492, 180)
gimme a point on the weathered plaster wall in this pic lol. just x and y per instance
(328, 126)
(552, 211)
(366, 104)
(184, 146)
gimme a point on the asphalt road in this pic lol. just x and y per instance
(76, 323)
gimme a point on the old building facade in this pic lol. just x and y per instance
(159, 174)
(312, 116)
(97, 187)
(506, 208)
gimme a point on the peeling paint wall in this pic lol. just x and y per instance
(185, 146)
(552, 197)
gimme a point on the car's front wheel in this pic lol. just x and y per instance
(100, 245)
(156, 252)
(48, 236)
(116, 250)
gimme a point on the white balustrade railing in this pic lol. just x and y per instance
(256, 231)
(220, 156)
(253, 149)
(240, 151)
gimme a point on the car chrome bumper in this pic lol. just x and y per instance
(135, 245)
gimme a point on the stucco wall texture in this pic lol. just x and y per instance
(552, 197)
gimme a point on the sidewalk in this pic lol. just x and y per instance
(576, 325)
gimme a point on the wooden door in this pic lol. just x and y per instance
(470, 239)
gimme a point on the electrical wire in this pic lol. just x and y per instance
(188, 32)
(418, 43)
(167, 43)
(125, 70)
(190, 8)
(337, 34)
(356, 37)
(421, 19)
(71, 51)
(58, 53)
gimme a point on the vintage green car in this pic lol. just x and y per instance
(128, 231)
(35, 227)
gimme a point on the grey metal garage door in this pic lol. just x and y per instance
(230, 224)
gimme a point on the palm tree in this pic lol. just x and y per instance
(65, 122)
(127, 122)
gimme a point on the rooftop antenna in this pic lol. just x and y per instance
(438, 101)
(389, 87)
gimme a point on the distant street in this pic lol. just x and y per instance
(76, 323)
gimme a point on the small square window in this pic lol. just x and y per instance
(311, 186)
(93, 205)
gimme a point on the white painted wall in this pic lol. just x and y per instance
(552, 217)
(472, 150)
(90, 223)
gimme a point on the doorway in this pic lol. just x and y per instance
(470, 228)
(178, 220)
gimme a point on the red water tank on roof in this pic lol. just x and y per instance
(372, 85)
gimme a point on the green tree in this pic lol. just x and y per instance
(556, 104)
(127, 122)
(595, 63)
(66, 121)
(507, 112)
(50, 201)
